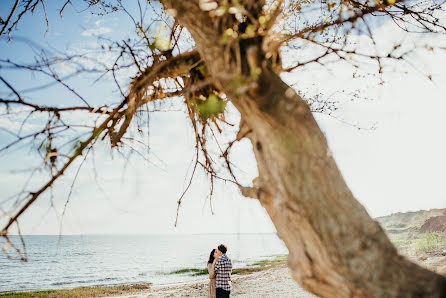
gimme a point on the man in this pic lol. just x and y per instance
(222, 273)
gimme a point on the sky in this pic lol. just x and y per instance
(395, 162)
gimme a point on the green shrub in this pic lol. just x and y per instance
(277, 260)
(430, 242)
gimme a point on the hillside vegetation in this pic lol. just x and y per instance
(408, 222)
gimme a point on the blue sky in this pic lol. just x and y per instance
(398, 166)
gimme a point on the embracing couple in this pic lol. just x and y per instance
(219, 267)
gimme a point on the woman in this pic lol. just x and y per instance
(213, 257)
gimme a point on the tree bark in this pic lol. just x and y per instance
(335, 248)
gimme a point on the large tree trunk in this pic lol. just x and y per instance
(335, 248)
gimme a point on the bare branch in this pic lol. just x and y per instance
(79, 151)
(9, 17)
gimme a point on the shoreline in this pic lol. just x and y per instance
(273, 280)
(133, 290)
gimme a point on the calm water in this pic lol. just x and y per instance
(111, 260)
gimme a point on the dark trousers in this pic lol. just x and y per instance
(222, 293)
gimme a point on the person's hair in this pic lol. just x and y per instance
(211, 256)
(222, 248)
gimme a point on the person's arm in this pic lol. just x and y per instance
(212, 269)
(216, 266)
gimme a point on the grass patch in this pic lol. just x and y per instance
(401, 241)
(197, 272)
(186, 270)
(403, 244)
(430, 242)
(82, 292)
(398, 226)
(192, 271)
(277, 260)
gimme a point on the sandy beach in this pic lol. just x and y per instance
(269, 281)
(274, 281)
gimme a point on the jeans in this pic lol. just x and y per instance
(222, 293)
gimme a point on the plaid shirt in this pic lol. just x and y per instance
(223, 269)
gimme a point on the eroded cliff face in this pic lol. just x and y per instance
(434, 224)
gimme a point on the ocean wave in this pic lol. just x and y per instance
(62, 283)
(88, 281)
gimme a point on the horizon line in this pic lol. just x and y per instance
(143, 234)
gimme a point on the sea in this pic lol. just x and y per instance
(70, 261)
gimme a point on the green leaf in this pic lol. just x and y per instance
(211, 107)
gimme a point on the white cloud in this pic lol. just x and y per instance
(96, 31)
